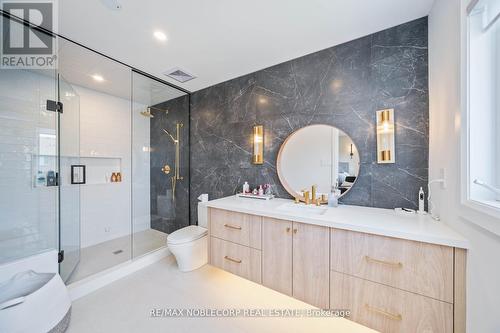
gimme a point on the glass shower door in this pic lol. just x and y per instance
(28, 155)
(72, 174)
(160, 162)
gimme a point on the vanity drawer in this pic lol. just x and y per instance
(237, 259)
(422, 268)
(388, 309)
(236, 227)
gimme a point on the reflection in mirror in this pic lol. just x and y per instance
(319, 155)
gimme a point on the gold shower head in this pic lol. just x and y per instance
(148, 113)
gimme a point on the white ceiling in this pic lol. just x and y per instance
(223, 39)
(77, 65)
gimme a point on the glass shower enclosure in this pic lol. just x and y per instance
(94, 162)
(39, 207)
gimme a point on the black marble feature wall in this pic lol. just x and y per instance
(341, 86)
(169, 210)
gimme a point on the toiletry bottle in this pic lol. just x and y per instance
(118, 176)
(255, 192)
(113, 177)
(246, 188)
(333, 198)
(40, 178)
(421, 209)
(51, 178)
(261, 190)
(268, 190)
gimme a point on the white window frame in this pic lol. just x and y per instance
(471, 209)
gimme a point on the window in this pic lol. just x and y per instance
(483, 116)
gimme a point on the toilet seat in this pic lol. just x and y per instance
(186, 235)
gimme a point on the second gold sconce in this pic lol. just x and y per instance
(258, 144)
(385, 136)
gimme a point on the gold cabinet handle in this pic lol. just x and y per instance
(232, 226)
(382, 262)
(384, 313)
(288, 229)
(238, 261)
(295, 231)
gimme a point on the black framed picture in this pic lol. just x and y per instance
(78, 174)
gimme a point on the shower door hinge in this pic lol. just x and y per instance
(54, 106)
(60, 256)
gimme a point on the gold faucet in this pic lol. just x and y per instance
(312, 199)
(306, 197)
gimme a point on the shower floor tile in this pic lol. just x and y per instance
(96, 258)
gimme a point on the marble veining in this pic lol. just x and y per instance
(169, 212)
(341, 86)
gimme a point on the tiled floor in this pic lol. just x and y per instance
(125, 305)
(96, 258)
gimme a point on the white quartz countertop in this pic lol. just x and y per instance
(378, 221)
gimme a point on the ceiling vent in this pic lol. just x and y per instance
(179, 75)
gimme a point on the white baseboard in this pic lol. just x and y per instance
(94, 282)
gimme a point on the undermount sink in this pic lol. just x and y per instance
(302, 209)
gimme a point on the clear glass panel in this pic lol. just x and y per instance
(28, 158)
(103, 132)
(69, 147)
(160, 162)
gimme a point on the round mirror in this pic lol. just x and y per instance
(320, 155)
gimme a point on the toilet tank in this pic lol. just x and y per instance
(203, 214)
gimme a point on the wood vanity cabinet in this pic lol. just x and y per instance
(389, 284)
(295, 260)
(387, 309)
(235, 243)
(395, 285)
(277, 246)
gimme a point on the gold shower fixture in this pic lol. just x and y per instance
(177, 166)
(166, 169)
(148, 113)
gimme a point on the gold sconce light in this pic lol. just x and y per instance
(385, 136)
(258, 144)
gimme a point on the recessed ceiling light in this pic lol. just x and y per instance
(160, 35)
(98, 77)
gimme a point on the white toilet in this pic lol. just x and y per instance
(189, 244)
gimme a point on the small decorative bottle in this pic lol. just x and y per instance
(118, 177)
(113, 177)
(246, 188)
(261, 190)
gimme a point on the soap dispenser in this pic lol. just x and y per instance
(421, 201)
